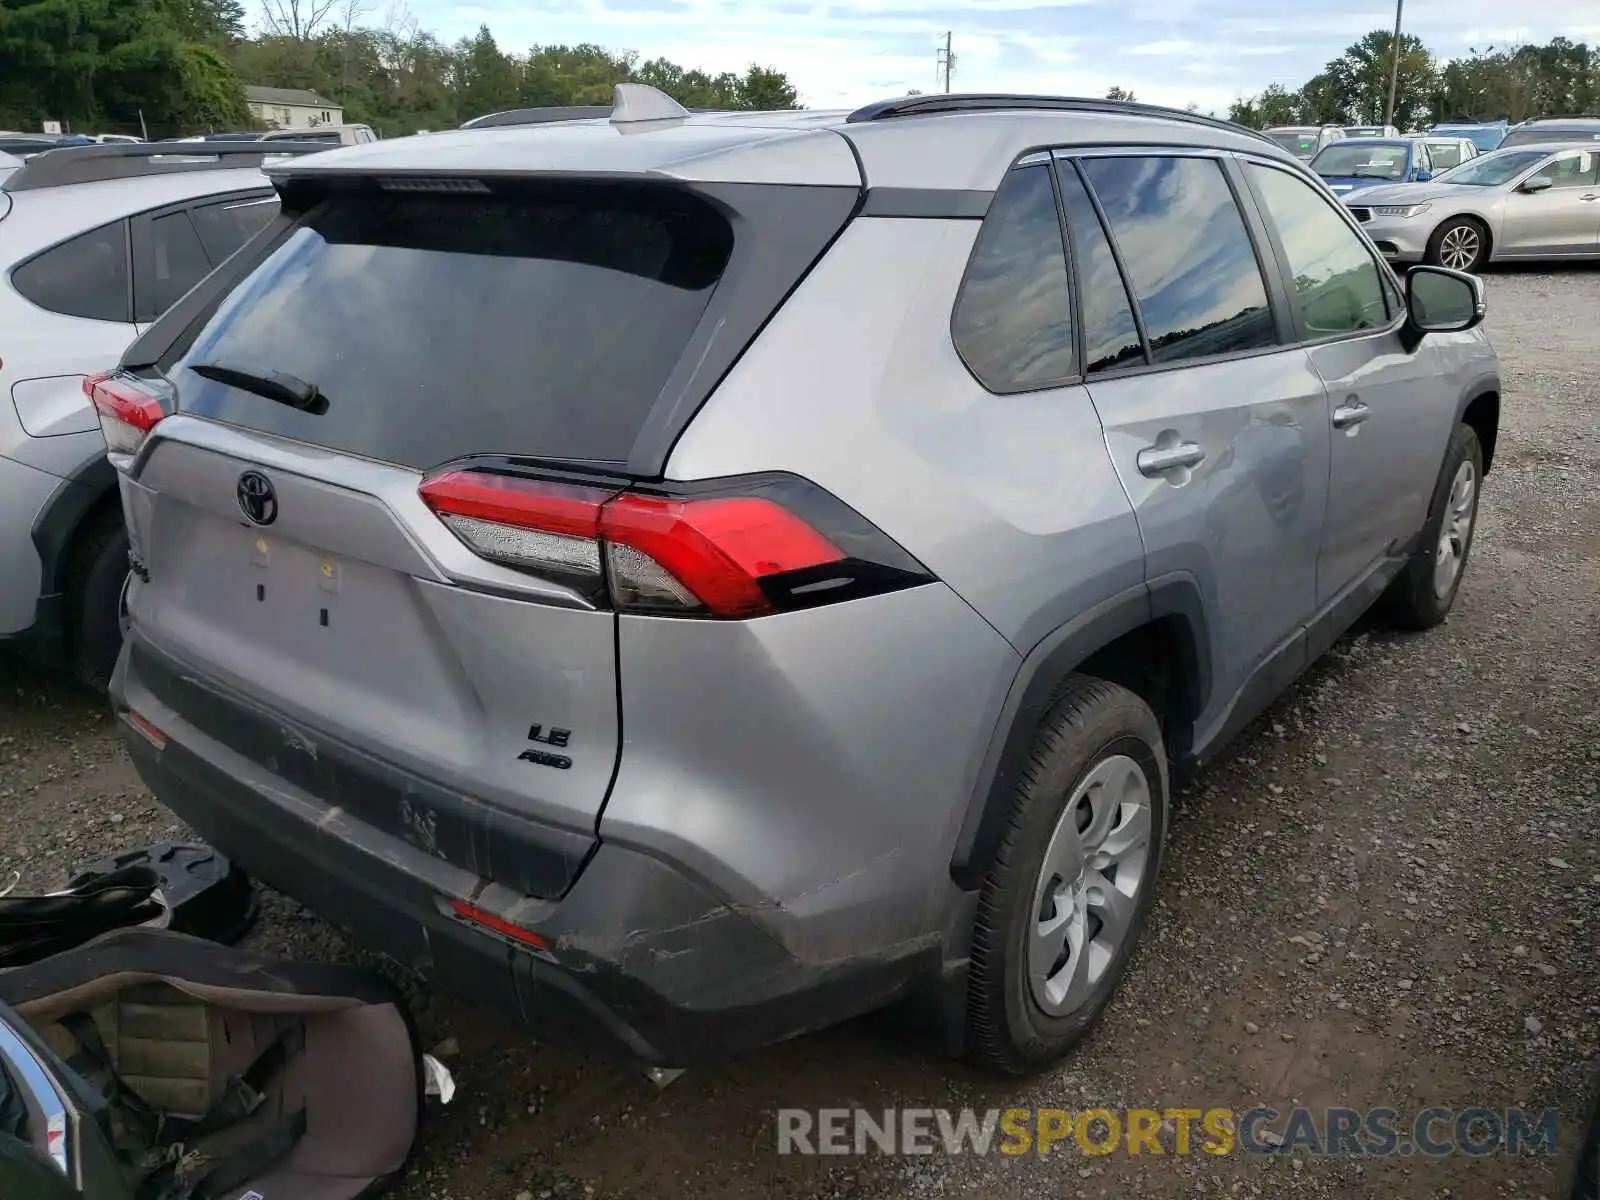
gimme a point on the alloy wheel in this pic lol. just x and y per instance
(1089, 885)
(1455, 533)
(1459, 247)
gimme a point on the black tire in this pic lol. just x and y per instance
(96, 573)
(1413, 600)
(1467, 225)
(1090, 722)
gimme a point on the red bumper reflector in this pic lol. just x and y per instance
(150, 733)
(469, 912)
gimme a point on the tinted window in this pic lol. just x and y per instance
(177, 262)
(1013, 319)
(1304, 145)
(1575, 168)
(227, 225)
(86, 277)
(1110, 334)
(1187, 253)
(1529, 137)
(1444, 156)
(1337, 283)
(1362, 161)
(541, 323)
(1494, 169)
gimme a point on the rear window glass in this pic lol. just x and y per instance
(536, 323)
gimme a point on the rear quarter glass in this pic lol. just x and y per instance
(540, 323)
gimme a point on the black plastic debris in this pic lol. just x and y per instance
(205, 894)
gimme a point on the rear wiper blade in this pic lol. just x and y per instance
(274, 385)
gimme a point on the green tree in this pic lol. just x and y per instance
(1363, 71)
(1278, 106)
(100, 64)
(1243, 111)
(1326, 99)
(764, 89)
(1120, 93)
(486, 80)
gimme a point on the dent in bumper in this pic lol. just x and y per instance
(641, 957)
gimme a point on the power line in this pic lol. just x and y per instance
(946, 61)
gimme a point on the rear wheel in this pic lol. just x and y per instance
(1073, 879)
(1461, 244)
(97, 581)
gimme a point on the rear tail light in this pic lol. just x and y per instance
(128, 406)
(740, 548)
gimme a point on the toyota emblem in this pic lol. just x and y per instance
(258, 499)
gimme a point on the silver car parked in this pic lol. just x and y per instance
(784, 574)
(1524, 202)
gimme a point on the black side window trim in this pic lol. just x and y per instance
(1268, 256)
(1394, 291)
(128, 317)
(1066, 164)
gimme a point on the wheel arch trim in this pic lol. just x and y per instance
(1483, 385)
(59, 521)
(1171, 598)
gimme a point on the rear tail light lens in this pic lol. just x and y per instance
(128, 407)
(743, 549)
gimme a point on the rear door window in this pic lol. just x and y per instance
(1188, 254)
(177, 261)
(1013, 318)
(86, 276)
(229, 224)
(534, 322)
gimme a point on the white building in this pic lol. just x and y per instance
(292, 108)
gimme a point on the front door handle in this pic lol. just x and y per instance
(1347, 416)
(1590, 196)
(1158, 460)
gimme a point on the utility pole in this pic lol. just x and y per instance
(1394, 65)
(947, 61)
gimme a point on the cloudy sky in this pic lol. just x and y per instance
(1168, 51)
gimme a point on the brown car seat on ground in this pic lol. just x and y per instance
(220, 1074)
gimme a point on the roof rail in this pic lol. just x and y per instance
(910, 106)
(539, 116)
(125, 160)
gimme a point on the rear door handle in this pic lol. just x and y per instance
(1590, 196)
(1347, 416)
(1158, 460)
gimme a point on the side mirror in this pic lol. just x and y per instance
(1439, 300)
(1538, 183)
(1424, 176)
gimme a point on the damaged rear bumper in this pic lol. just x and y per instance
(635, 955)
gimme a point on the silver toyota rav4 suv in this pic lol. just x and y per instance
(712, 575)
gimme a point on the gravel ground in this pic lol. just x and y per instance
(1385, 894)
